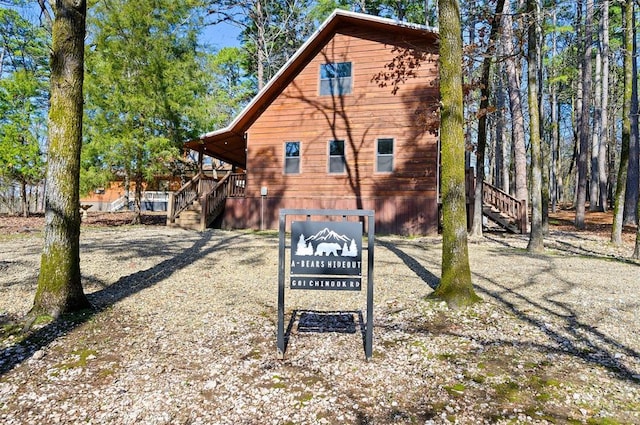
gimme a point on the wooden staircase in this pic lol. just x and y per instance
(201, 200)
(504, 210)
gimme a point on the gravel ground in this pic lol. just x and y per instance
(184, 332)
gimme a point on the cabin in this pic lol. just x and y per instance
(349, 122)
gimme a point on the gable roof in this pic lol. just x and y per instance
(228, 144)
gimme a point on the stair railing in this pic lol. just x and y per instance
(118, 204)
(515, 209)
(189, 192)
(213, 200)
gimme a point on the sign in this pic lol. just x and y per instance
(326, 255)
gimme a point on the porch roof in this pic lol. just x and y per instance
(229, 143)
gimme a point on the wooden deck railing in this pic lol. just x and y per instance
(236, 185)
(509, 206)
(210, 192)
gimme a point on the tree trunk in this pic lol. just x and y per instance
(261, 47)
(631, 193)
(603, 177)
(636, 251)
(515, 104)
(596, 137)
(455, 285)
(59, 285)
(501, 152)
(544, 149)
(536, 237)
(584, 118)
(555, 135)
(138, 198)
(476, 228)
(25, 200)
(618, 201)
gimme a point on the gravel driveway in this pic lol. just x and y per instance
(184, 332)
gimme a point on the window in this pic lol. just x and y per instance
(292, 157)
(335, 79)
(336, 156)
(384, 156)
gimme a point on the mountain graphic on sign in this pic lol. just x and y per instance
(326, 243)
(326, 235)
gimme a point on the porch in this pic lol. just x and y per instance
(201, 201)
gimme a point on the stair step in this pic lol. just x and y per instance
(507, 222)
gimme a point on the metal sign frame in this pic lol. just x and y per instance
(284, 213)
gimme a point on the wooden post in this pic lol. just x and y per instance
(524, 221)
(203, 213)
(171, 207)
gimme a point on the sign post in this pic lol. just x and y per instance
(326, 255)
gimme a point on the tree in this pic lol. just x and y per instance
(455, 285)
(59, 283)
(618, 201)
(23, 102)
(536, 243)
(272, 30)
(21, 159)
(604, 115)
(633, 172)
(636, 251)
(515, 104)
(476, 229)
(596, 136)
(585, 132)
(140, 110)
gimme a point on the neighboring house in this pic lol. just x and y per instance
(115, 198)
(347, 123)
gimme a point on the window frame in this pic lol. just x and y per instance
(288, 157)
(343, 156)
(387, 156)
(335, 85)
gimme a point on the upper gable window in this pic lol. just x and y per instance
(335, 78)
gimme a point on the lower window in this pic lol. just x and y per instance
(384, 155)
(292, 158)
(336, 156)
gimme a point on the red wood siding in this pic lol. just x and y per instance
(406, 199)
(396, 215)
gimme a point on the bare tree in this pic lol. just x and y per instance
(633, 174)
(585, 131)
(274, 29)
(536, 237)
(596, 136)
(618, 201)
(476, 228)
(604, 117)
(515, 104)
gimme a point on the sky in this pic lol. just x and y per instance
(218, 36)
(221, 35)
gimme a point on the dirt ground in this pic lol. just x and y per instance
(10, 224)
(184, 332)
(598, 223)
